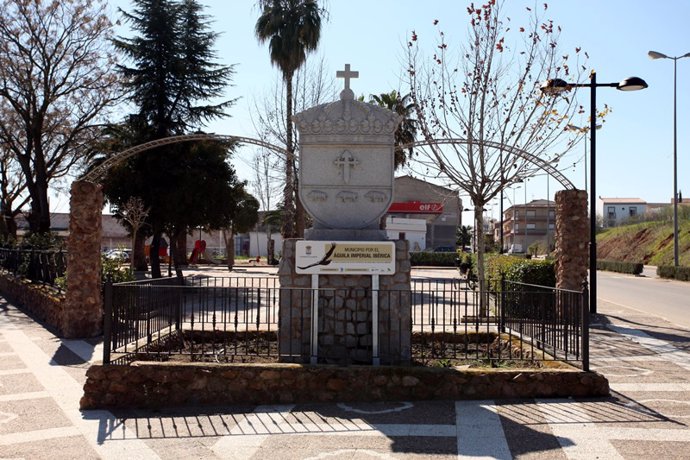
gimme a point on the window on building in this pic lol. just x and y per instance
(531, 226)
(552, 214)
(633, 211)
(517, 227)
(532, 213)
(552, 226)
(611, 210)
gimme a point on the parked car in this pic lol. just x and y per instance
(444, 249)
(117, 254)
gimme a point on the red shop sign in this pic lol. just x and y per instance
(416, 207)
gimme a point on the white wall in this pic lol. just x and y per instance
(258, 244)
(414, 229)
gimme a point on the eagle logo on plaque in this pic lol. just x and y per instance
(346, 161)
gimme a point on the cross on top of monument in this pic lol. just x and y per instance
(347, 74)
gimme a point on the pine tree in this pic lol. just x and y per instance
(172, 74)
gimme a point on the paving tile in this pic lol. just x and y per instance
(18, 383)
(30, 415)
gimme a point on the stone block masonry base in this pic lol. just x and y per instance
(157, 385)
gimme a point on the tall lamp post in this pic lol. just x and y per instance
(657, 55)
(556, 86)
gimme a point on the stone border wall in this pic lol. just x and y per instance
(155, 385)
(38, 301)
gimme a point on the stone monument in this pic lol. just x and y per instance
(345, 275)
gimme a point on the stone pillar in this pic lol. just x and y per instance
(572, 239)
(83, 312)
(345, 314)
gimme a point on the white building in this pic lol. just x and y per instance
(616, 211)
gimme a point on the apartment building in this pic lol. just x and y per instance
(526, 224)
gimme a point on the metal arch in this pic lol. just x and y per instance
(97, 174)
(555, 173)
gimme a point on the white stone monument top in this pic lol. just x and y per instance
(346, 164)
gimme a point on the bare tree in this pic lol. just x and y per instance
(12, 196)
(265, 185)
(486, 93)
(311, 86)
(56, 82)
(134, 213)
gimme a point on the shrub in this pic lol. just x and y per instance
(517, 269)
(434, 259)
(632, 268)
(671, 272)
(111, 270)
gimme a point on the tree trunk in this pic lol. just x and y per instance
(479, 239)
(154, 256)
(139, 252)
(181, 248)
(300, 213)
(229, 237)
(175, 253)
(288, 229)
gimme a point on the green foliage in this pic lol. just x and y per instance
(464, 236)
(42, 241)
(111, 269)
(467, 262)
(633, 268)
(292, 29)
(407, 129)
(433, 259)
(670, 272)
(172, 66)
(517, 269)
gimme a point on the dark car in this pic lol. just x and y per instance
(444, 249)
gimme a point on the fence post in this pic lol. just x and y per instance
(107, 320)
(585, 326)
(501, 305)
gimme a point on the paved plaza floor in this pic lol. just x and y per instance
(645, 358)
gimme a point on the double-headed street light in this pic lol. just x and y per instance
(657, 55)
(556, 86)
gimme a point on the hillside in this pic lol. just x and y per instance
(647, 242)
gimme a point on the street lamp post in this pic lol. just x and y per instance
(512, 230)
(557, 86)
(657, 55)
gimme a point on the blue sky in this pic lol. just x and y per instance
(634, 148)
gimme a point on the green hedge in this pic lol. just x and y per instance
(632, 268)
(517, 269)
(671, 272)
(433, 259)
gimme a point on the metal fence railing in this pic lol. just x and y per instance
(39, 266)
(237, 320)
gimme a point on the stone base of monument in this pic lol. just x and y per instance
(345, 314)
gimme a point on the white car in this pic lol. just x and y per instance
(117, 254)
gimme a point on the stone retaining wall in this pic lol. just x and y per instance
(154, 385)
(40, 302)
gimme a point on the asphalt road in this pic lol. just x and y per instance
(667, 299)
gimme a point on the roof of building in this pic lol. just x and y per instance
(623, 200)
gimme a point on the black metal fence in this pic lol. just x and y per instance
(237, 320)
(39, 266)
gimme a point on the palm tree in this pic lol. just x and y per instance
(292, 29)
(407, 130)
